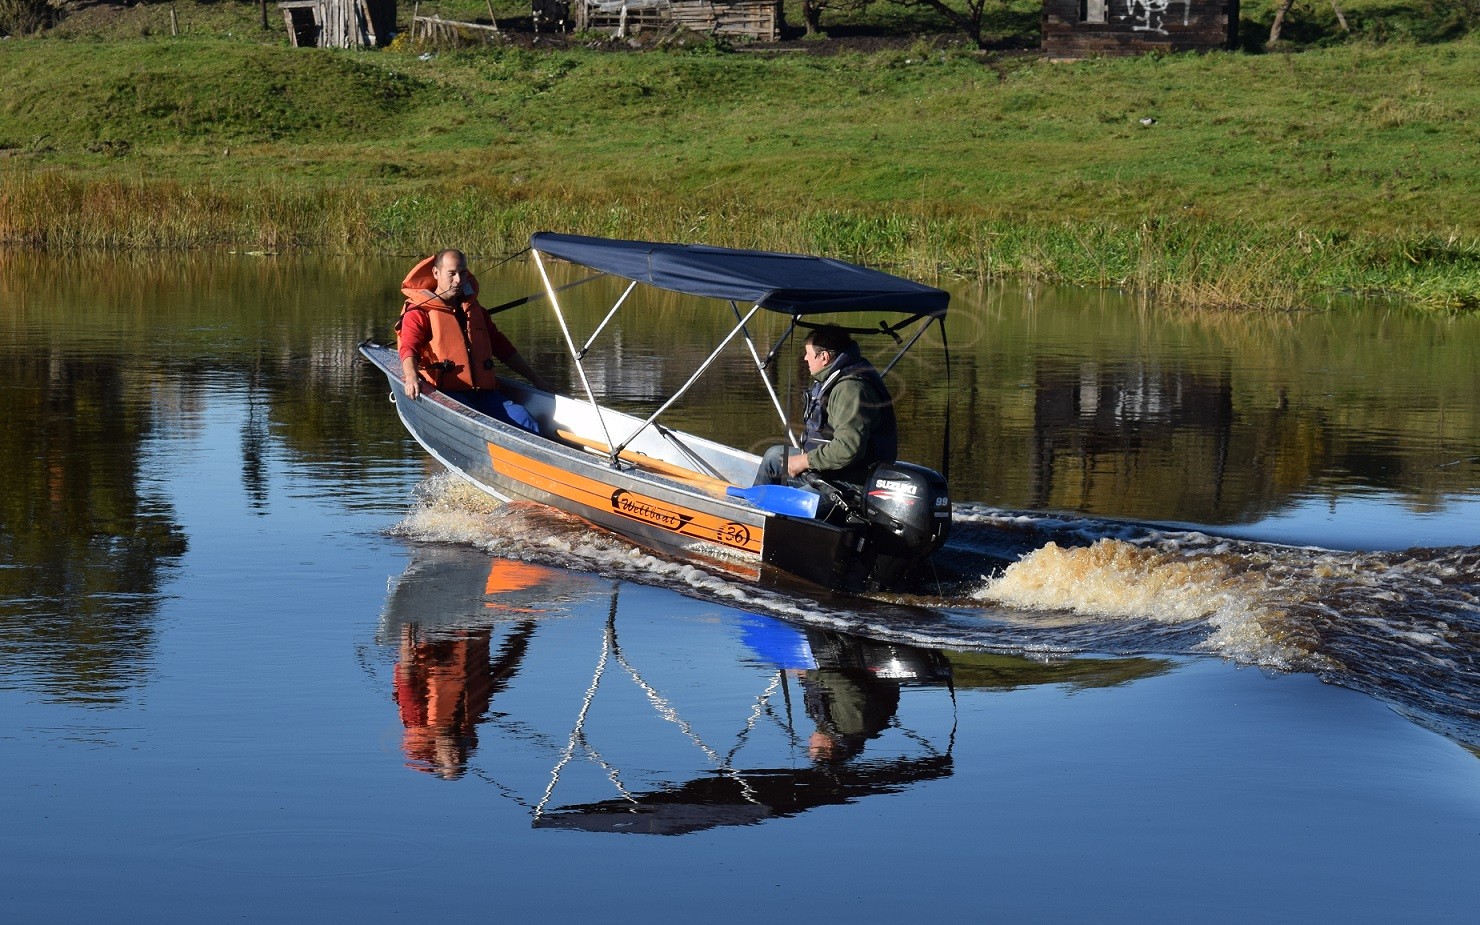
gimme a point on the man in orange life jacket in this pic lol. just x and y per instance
(448, 341)
(849, 423)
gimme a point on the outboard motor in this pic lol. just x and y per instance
(908, 513)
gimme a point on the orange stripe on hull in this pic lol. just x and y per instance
(601, 496)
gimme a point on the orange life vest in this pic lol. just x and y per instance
(459, 355)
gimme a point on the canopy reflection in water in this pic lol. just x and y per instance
(815, 717)
(851, 693)
(462, 624)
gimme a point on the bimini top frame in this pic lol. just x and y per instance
(795, 284)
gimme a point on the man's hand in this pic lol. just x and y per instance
(797, 464)
(408, 376)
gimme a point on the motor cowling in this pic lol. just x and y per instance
(908, 512)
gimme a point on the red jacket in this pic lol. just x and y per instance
(454, 345)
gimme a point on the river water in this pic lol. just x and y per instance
(1206, 641)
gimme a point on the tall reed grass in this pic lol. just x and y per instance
(1199, 263)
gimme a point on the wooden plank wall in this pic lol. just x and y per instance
(1133, 27)
(755, 19)
(346, 23)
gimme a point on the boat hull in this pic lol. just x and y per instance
(678, 515)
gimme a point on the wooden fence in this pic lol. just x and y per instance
(438, 31)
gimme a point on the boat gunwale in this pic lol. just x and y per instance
(581, 461)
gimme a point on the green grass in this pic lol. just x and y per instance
(229, 19)
(1265, 179)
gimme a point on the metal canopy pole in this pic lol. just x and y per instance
(535, 297)
(781, 341)
(685, 387)
(945, 444)
(609, 316)
(576, 356)
(945, 440)
(699, 461)
(906, 348)
(760, 367)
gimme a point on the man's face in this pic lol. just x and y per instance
(816, 359)
(449, 274)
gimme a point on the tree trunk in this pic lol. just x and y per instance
(1279, 22)
(969, 22)
(1340, 18)
(812, 16)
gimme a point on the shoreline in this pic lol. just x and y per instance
(1197, 263)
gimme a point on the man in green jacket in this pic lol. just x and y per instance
(849, 421)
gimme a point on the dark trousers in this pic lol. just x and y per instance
(500, 408)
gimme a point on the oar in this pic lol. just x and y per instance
(779, 499)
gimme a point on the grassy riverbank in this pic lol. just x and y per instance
(1263, 180)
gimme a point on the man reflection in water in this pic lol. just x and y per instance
(444, 684)
(443, 688)
(849, 707)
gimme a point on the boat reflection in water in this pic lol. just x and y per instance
(850, 691)
(808, 717)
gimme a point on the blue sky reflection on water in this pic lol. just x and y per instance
(254, 762)
(1364, 520)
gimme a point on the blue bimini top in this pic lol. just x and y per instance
(792, 283)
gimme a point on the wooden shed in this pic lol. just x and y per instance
(339, 23)
(759, 20)
(1080, 28)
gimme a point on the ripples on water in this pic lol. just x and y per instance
(1401, 626)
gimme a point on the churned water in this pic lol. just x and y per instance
(1403, 626)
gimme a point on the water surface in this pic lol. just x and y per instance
(259, 658)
